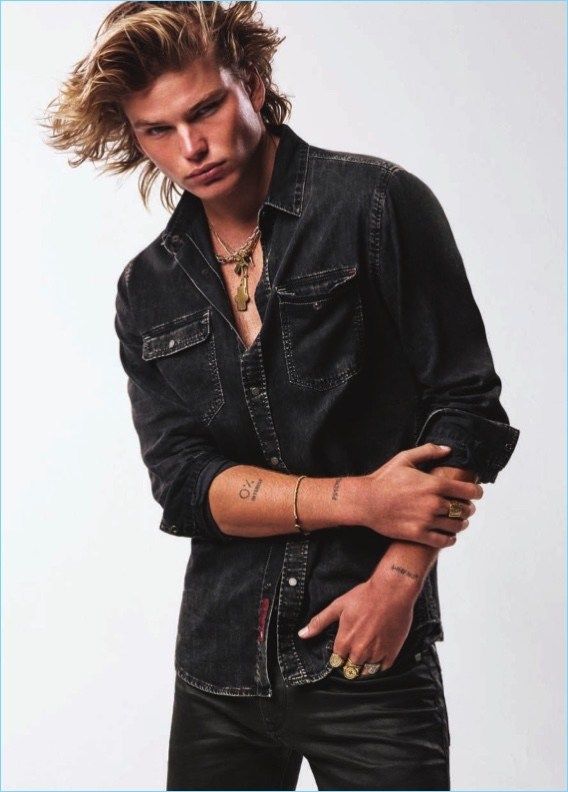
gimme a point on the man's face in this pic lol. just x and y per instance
(188, 120)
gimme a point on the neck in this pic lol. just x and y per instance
(239, 208)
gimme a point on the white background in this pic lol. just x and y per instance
(469, 97)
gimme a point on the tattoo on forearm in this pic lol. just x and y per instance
(404, 571)
(335, 492)
(250, 489)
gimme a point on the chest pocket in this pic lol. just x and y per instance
(322, 327)
(184, 351)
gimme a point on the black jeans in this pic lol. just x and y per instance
(388, 731)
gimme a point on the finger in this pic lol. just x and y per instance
(467, 507)
(367, 672)
(440, 540)
(357, 656)
(447, 524)
(454, 488)
(350, 655)
(345, 649)
(440, 507)
(387, 663)
(320, 621)
(342, 645)
(341, 648)
(424, 452)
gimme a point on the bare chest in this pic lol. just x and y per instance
(248, 322)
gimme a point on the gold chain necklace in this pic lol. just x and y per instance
(242, 257)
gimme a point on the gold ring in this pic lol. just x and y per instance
(456, 509)
(351, 670)
(335, 660)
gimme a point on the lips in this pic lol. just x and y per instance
(209, 170)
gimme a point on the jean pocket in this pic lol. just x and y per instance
(184, 351)
(402, 665)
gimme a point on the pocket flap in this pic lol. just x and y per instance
(316, 284)
(180, 334)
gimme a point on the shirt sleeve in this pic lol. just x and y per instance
(181, 459)
(424, 283)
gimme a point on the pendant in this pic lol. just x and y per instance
(242, 295)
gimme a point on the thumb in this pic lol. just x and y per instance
(321, 620)
(425, 452)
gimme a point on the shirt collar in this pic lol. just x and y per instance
(285, 191)
(286, 188)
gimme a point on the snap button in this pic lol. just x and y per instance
(274, 460)
(317, 306)
(173, 528)
(255, 391)
(292, 581)
(171, 343)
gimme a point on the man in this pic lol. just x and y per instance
(315, 400)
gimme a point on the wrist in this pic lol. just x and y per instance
(350, 493)
(325, 502)
(398, 578)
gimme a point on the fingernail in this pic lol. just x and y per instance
(303, 632)
(445, 447)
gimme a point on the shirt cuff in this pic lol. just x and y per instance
(478, 443)
(204, 523)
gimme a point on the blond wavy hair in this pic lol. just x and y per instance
(136, 43)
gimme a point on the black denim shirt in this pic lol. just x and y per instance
(371, 342)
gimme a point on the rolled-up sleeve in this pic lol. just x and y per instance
(424, 282)
(181, 460)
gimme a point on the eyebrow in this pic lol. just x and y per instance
(217, 93)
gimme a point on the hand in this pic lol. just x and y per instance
(402, 502)
(374, 620)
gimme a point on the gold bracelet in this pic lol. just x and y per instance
(296, 519)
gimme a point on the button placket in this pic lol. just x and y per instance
(290, 605)
(254, 384)
(295, 554)
(296, 551)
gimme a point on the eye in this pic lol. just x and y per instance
(153, 131)
(207, 109)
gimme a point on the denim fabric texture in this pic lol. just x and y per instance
(371, 343)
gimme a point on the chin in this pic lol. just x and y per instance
(215, 189)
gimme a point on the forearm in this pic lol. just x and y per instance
(251, 501)
(406, 564)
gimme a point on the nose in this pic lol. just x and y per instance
(192, 145)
